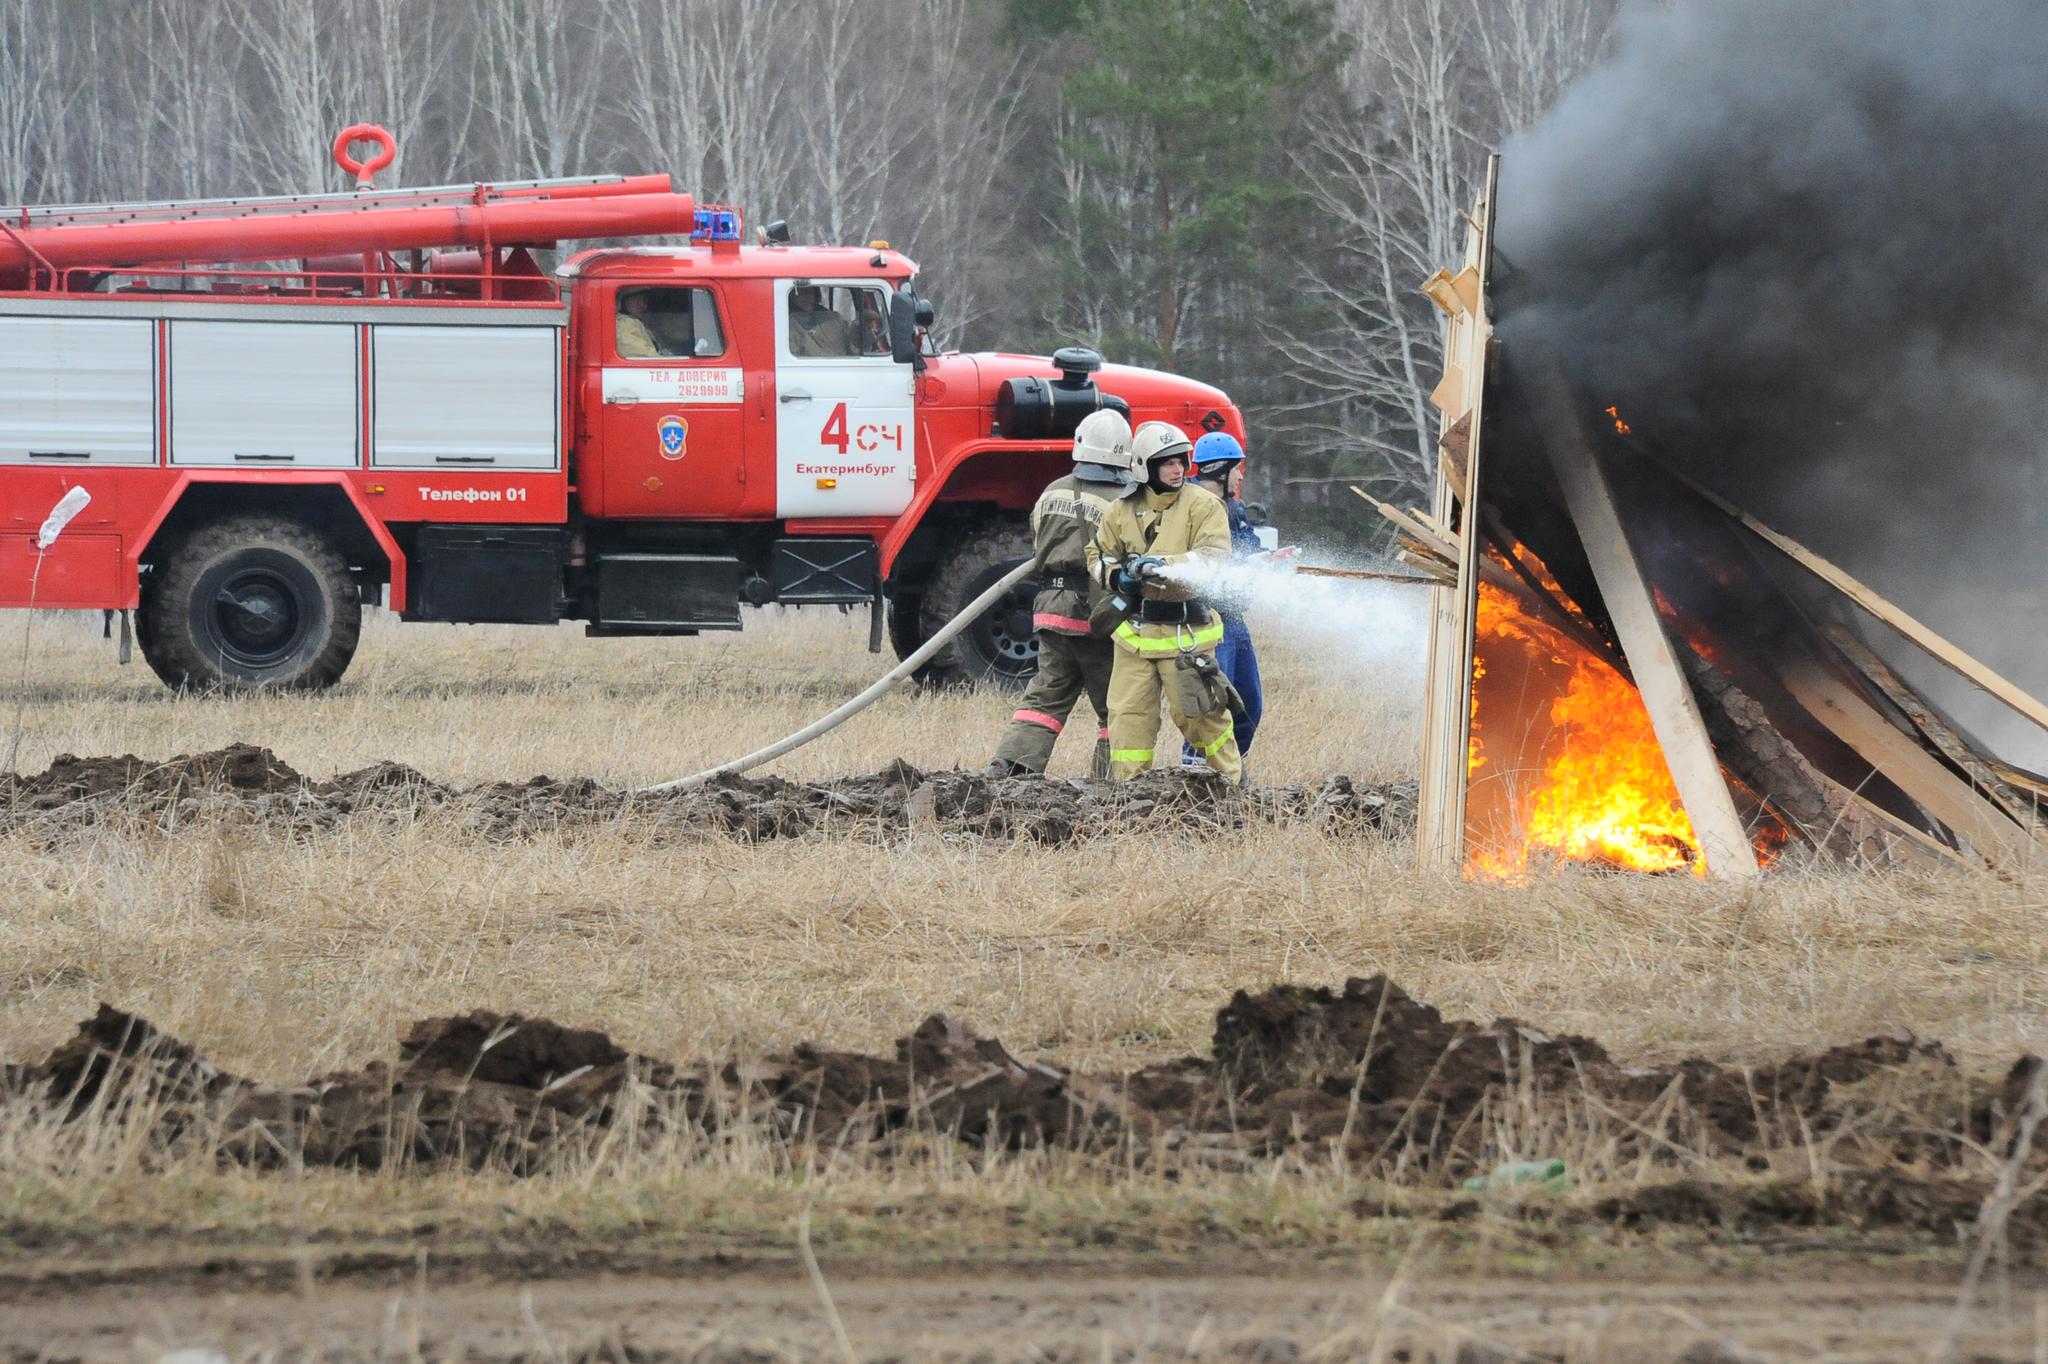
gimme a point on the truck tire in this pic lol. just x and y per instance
(906, 630)
(999, 649)
(250, 602)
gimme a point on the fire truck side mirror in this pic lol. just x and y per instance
(903, 329)
(926, 314)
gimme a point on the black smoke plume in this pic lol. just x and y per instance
(1800, 244)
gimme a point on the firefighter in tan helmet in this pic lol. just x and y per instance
(1167, 640)
(1074, 652)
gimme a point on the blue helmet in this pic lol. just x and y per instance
(1216, 452)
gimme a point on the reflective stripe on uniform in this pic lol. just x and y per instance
(1130, 755)
(1066, 625)
(1200, 638)
(1209, 749)
(1039, 717)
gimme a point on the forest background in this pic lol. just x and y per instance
(1246, 191)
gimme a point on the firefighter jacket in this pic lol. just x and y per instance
(1063, 525)
(820, 334)
(1187, 523)
(635, 342)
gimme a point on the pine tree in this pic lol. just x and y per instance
(1169, 189)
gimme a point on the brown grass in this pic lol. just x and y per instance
(280, 955)
(275, 952)
(475, 703)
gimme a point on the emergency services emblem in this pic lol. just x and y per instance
(675, 437)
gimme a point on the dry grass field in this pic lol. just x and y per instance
(282, 953)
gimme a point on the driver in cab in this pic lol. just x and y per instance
(816, 331)
(653, 324)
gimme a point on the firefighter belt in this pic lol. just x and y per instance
(1152, 659)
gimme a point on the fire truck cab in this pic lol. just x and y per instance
(282, 410)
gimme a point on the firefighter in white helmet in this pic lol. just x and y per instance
(1167, 641)
(1074, 653)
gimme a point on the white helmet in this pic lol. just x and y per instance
(1159, 440)
(1104, 438)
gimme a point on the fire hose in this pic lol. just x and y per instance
(828, 723)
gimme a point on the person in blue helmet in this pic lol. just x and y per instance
(1219, 467)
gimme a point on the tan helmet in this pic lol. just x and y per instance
(1104, 438)
(1157, 441)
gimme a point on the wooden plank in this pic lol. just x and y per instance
(2020, 802)
(1430, 523)
(1362, 574)
(1950, 799)
(1674, 713)
(1916, 840)
(1427, 549)
(1438, 572)
(1440, 835)
(1451, 448)
(1936, 646)
(1435, 537)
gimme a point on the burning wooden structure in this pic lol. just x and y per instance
(1626, 669)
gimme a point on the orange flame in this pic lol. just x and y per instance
(1621, 428)
(1600, 792)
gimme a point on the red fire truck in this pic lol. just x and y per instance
(283, 409)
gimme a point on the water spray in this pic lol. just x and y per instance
(1367, 612)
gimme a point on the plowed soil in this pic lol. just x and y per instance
(246, 782)
(1368, 1071)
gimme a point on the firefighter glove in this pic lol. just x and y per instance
(1133, 573)
(1146, 566)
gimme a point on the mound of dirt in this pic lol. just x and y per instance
(1368, 1070)
(246, 782)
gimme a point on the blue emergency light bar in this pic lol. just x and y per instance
(716, 225)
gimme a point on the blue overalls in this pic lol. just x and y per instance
(1235, 655)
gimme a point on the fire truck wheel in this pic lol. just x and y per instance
(906, 628)
(1000, 648)
(253, 601)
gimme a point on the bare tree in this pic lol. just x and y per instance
(1528, 51)
(965, 111)
(285, 149)
(1436, 84)
(170, 110)
(747, 45)
(845, 112)
(36, 96)
(542, 71)
(395, 63)
(666, 90)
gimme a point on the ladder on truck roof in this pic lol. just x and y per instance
(344, 201)
(62, 247)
